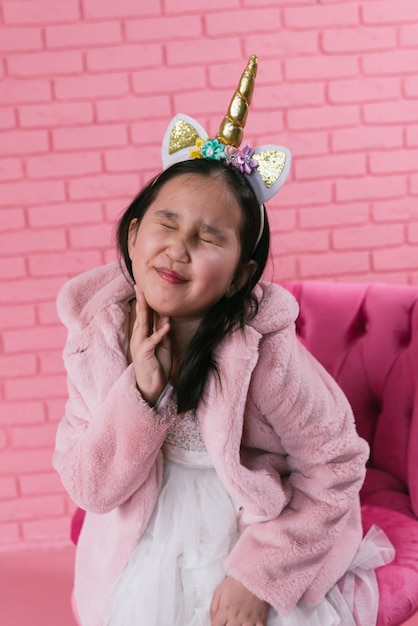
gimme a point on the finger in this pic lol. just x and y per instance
(143, 316)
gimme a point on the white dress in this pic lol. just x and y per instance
(173, 572)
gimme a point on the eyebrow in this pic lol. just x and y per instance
(207, 228)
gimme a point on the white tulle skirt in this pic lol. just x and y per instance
(173, 572)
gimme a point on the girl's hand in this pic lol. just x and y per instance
(151, 352)
(234, 605)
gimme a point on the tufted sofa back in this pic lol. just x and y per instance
(366, 336)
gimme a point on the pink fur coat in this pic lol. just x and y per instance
(279, 431)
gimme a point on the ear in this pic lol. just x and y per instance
(132, 232)
(241, 278)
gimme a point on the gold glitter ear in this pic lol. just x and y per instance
(182, 135)
(271, 164)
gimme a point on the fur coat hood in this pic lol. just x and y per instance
(279, 431)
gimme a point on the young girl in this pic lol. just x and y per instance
(217, 461)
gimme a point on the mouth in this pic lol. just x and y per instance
(171, 277)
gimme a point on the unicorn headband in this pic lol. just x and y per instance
(266, 167)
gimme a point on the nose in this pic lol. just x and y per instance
(177, 248)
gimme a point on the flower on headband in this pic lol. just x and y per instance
(241, 159)
(209, 149)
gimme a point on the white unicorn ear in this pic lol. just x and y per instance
(273, 168)
(179, 137)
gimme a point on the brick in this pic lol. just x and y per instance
(149, 132)
(133, 108)
(40, 483)
(163, 28)
(124, 57)
(290, 95)
(53, 532)
(31, 192)
(359, 39)
(260, 122)
(330, 166)
(368, 187)
(25, 462)
(408, 35)
(282, 220)
(56, 114)
(15, 91)
(90, 87)
(20, 142)
(333, 264)
(65, 214)
(22, 291)
(12, 268)
(321, 16)
(178, 52)
(321, 67)
(8, 487)
(51, 362)
(323, 117)
(10, 169)
(412, 136)
(200, 103)
(63, 165)
(388, 12)
(225, 75)
(45, 63)
(68, 261)
(83, 236)
(395, 210)
(3, 440)
(414, 184)
(29, 240)
(36, 387)
(402, 257)
(411, 86)
(98, 136)
(242, 22)
(105, 186)
(20, 39)
(39, 436)
(387, 113)
(128, 159)
(12, 413)
(34, 507)
(366, 138)
(83, 34)
(189, 6)
(304, 241)
(10, 535)
(364, 90)
(165, 81)
(109, 256)
(97, 9)
(11, 219)
(367, 237)
(305, 193)
(40, 12)
(344, 214)
(7, 117)
(393, 162)
(115, 208)
(47, 312)
(25, 340)
(395, 62)
(16, 316)
(305, 143)
(282, 44)
(412, 233)
(55, 408)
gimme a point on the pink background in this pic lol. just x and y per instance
(87, 88)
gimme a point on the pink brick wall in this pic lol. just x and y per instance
(87, 88)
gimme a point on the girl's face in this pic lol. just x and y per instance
(185, 251)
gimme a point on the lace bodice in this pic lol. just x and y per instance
(185, 433)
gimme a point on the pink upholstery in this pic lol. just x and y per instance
(367, 338)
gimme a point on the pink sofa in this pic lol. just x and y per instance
(366, 336)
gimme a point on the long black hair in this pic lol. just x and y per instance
(228, 313)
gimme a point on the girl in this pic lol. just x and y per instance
(217, 461)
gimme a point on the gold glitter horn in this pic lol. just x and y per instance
(232, 126)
